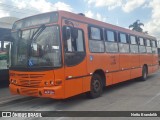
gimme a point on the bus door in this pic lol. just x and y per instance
(74, 57)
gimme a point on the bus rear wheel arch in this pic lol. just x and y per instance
(144, 73)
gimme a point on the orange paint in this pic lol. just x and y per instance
(72, 80)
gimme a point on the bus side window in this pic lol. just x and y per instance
(153, 43)
(142, 48)
(96, 43)
(74, 44)
(133, 45)
(80, 42)
(141, 41)
(154, 47)
(123, 43)
(111, 41)
(67, 39)
(148, 46)
(123, 38)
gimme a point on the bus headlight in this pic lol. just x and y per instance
(46, 83)
(51, 82)
(13, 81)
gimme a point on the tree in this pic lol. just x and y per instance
(136, 26)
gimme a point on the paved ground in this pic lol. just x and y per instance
(128, 96)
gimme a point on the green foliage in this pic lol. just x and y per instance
(136, 26)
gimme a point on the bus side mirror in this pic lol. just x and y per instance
(66, 33)
(74, 33)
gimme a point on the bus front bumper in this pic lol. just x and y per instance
(55, 92)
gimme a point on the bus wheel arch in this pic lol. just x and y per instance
(101, 73)
(96, 85)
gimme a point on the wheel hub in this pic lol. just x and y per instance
(96, 85)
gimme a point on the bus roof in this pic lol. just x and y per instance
(90, 21)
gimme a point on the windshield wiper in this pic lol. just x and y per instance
(37, 33)
(32, 39)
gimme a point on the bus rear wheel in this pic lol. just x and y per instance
(144, 73)
(96, 87)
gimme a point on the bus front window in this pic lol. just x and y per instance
(39, 50)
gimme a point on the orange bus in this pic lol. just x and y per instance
(61, 54)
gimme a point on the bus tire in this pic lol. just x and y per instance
(144, 73)
(96, 87)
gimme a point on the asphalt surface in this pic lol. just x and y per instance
(132, 95)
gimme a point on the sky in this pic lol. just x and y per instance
(117, 12)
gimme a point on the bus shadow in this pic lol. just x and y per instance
(129, 82)
(126, 83)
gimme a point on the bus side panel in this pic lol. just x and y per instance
(112, 66)
(156, 68)
(155, 63)
(136, 73)
(150, 69)
(125, 67)
(134, 62)
(104, 62)
(73, 87)
(109, 79)
(124, 60)
(86, 83)
(121, 76)
(149, 59)
(96, 61)
(143, 59)
(112, 62)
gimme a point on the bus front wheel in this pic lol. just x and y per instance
(96, 87)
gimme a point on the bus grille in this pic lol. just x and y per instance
(29, 92)
(30, 80)
(30, 83)
(30, 75)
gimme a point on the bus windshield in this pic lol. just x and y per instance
(36, 47)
